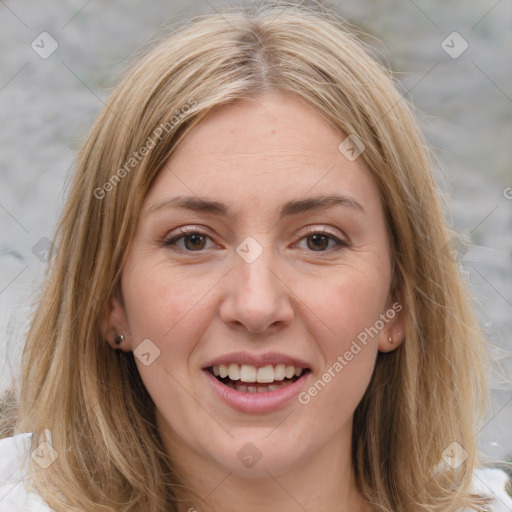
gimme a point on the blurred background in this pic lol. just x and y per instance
(60, 59)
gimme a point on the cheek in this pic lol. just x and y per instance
(159, 310)
(163, 303)
(348, 303)
(349, 307)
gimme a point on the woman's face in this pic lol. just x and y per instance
(251, 268)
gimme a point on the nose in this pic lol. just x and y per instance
(257, 299)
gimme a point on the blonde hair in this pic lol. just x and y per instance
(423, 396)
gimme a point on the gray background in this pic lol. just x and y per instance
(464, 105)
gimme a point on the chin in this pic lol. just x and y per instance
(255, 459)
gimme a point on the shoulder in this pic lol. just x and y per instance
(493, 482)
(14, 457)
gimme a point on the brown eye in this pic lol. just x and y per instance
(197, 242)
(194, 241)
(318, 241)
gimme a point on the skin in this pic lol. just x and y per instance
(201, 300)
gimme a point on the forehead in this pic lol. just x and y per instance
(273, 125)
(267, 150)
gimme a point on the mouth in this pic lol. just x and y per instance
(253, 379)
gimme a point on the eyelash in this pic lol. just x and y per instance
(171, 242)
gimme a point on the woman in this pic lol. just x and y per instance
(241, 313)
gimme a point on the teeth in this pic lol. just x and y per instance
(253, 389)
(234, 371)
(223, 370)
(247, 373)
(290, 372)
(280, 372)
(264, 374)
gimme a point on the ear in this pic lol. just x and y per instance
(113, 322)
(394, 328)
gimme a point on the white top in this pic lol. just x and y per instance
(15, 498)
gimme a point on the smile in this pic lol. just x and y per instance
(256, 390)
(251, 379)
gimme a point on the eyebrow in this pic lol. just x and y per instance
(288, 209)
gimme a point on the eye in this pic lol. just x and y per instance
(320, 240)
(194, 240)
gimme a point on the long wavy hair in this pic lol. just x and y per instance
(422, 397)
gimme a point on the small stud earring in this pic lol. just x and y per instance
(390, 339)
(119, 339)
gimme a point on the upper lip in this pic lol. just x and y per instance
(272, 358)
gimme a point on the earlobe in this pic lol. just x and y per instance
(113, 325)
(390, 340)
(393, 334)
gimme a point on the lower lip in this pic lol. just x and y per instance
(267, 401)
